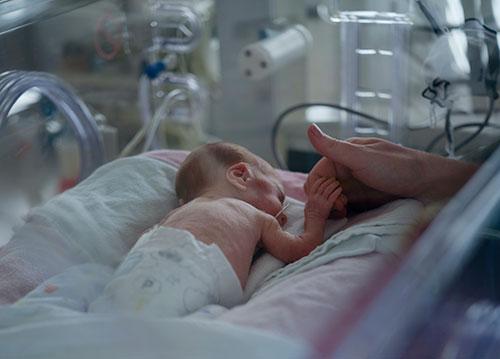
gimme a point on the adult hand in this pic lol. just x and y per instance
(373, 171)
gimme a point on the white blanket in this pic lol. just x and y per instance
(266, 263)
(383, 230)
(97, 221)
(51, 322)
(52, 319)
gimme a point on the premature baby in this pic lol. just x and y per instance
(231, 202)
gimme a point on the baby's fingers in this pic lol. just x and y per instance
(328, 189)
(334, 195)
(318, 184)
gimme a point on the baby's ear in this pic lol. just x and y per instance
(238, 175)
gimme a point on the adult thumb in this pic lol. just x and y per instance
(338, 151)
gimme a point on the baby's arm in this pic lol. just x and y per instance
(288, 247)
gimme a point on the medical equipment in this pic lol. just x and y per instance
(282, 210)
(249, 103)
(149, 130)
(464, 62)
(262, 58)
(176, 31)
(175, 27)
(109, 135)
(15, 83)
(182, 99)
(279, 121)
(377, 40)
(42, 153)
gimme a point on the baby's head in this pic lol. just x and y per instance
(229, 170)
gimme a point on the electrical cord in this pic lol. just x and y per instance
(465, 142)
(274, 132)
(483, 125)
(439, 137)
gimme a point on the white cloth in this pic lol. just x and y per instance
(266, 263)
(169, 273)
(73, 289)
(97, 221)
(383, 230)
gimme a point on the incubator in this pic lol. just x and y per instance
(373, 40)
(129, 76)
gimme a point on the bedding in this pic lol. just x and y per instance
(121, 200)
(311, 298)
(97, 221)
(54, 332)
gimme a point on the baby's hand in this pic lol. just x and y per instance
(323, 193)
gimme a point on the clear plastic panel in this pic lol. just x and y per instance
(49, 141)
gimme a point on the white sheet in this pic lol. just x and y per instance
(311, 298)
(50, 322)
(87, 336)
(384, 230)
(266, 263)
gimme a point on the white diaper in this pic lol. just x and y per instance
(169, 273)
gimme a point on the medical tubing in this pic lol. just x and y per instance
(146, 129)
(274, 132)
(450, 135)
(144, 109)
(133, 143)
(438, 138)
(143, 99)
(159, 115)
(14, 84)
(480, 129)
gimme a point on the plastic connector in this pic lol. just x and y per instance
(153, 70)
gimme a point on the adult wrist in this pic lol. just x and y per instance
(442, 177)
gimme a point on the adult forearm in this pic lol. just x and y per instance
(442, 177)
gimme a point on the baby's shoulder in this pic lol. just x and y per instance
(236, 204)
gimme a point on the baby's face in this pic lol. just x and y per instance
(270, 194)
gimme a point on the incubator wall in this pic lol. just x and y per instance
(97, 47)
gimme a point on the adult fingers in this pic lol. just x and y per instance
(345, 153)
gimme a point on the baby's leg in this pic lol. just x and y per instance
(167, 273)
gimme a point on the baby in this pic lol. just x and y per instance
(231, 203)
(225, 190)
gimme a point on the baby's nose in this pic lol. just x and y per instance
(282, 219)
